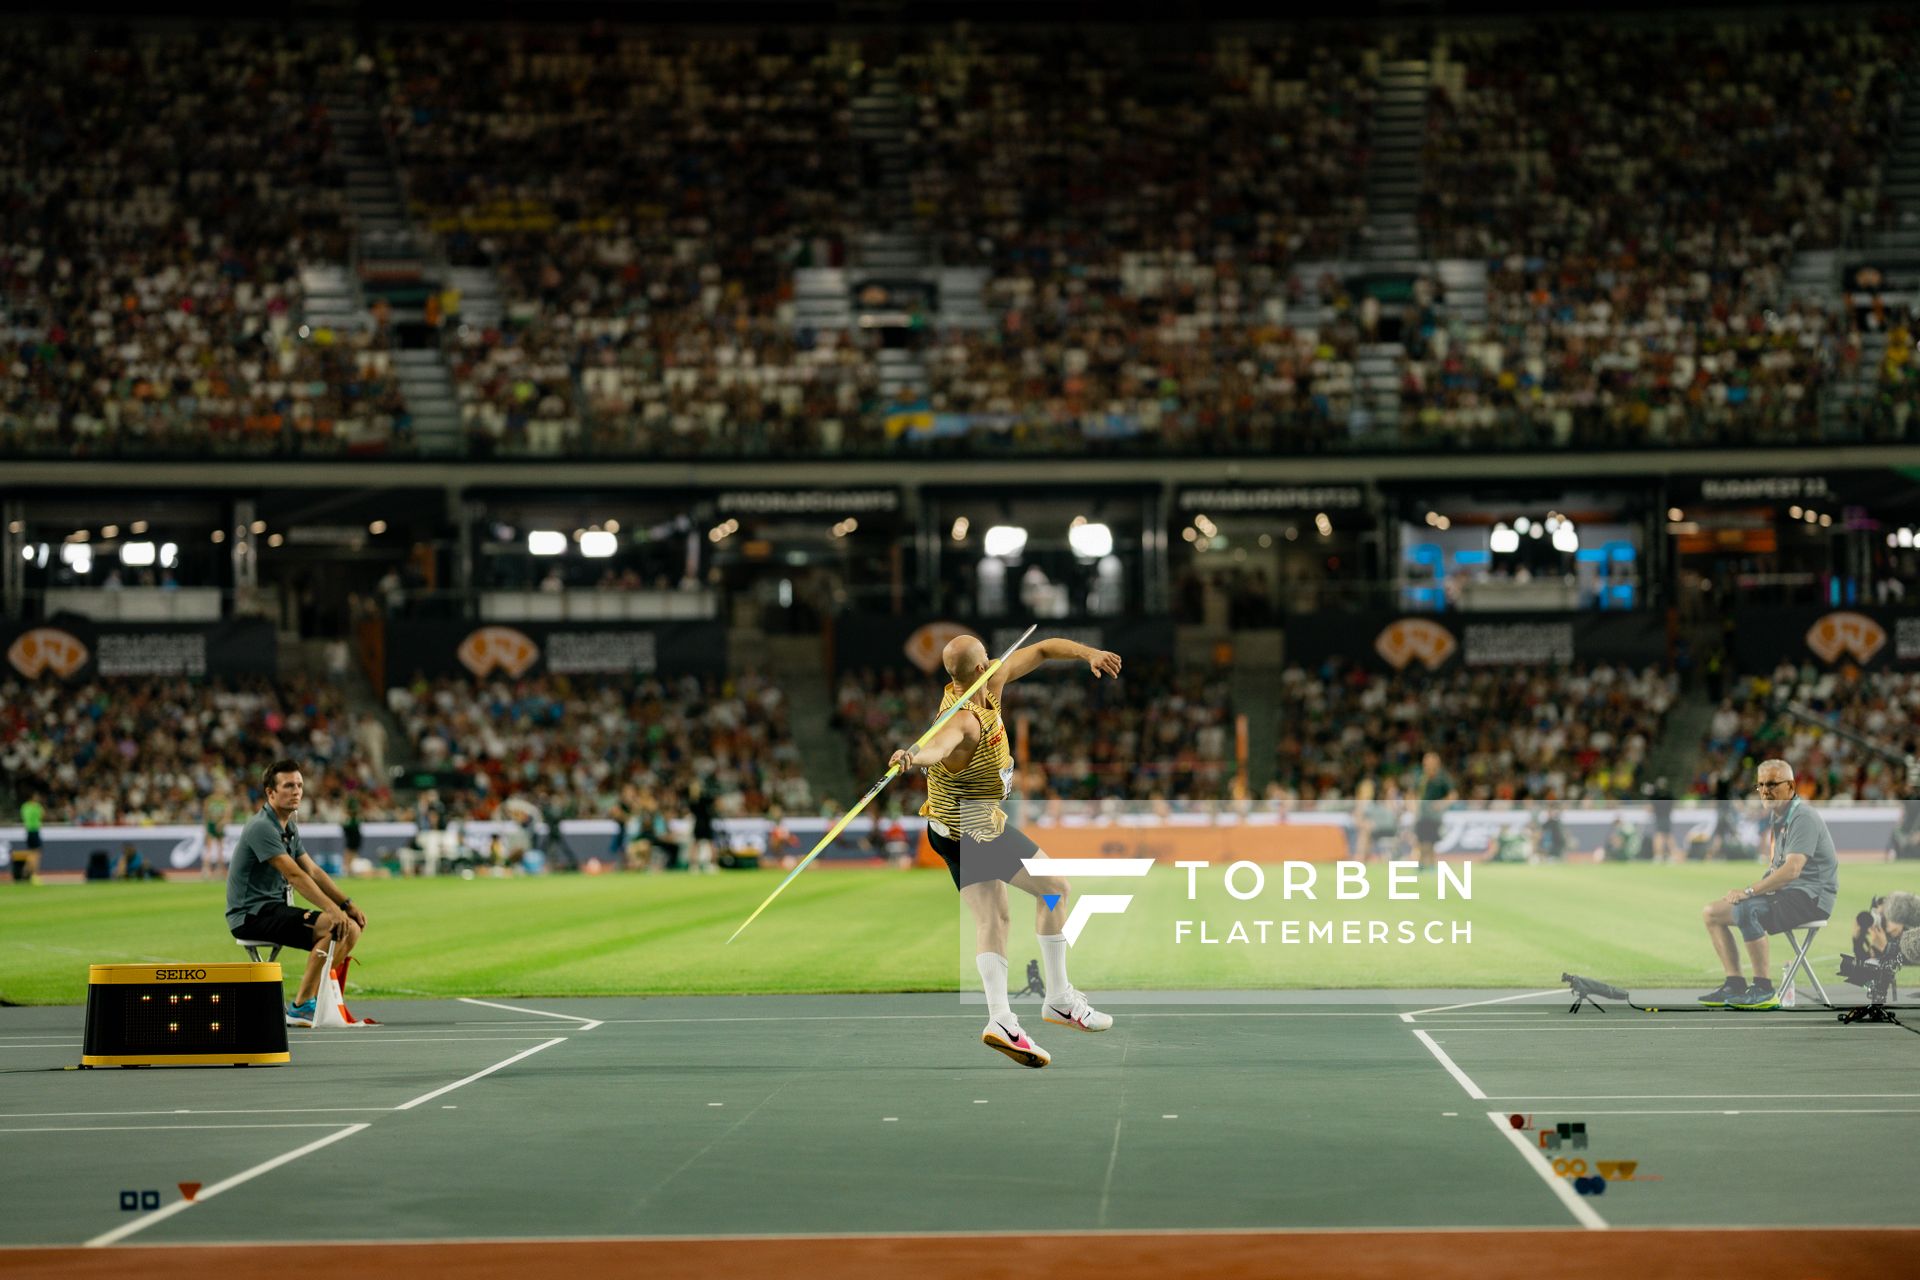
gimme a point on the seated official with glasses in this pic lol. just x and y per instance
(1800, 886)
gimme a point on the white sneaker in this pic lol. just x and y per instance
(1014, 1042)
(1073, 1010)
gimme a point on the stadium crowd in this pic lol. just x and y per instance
(1155, 220)
(1580, 734)
(162, 195)
(1637, 284)
(142, 752)
(1749, 725)
(589, 745)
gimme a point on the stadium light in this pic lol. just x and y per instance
(598, 544)
(1905, 537)
(1503, 540)
(136, 555)
(77, 556)
(139, 526)
(169, 554)
(1091, 541)
(960, 526)
(546, 542)
(1006, 540)
(1521, 525)
(1566, 538)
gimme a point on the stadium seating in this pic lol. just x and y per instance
(581, 742)
(1569, 735)
(1748, 725)
(152, 245)
(139, 752)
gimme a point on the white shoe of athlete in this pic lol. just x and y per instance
(1073, 1010)
(1015, 1043)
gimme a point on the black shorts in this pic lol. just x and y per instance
(280, 924)
(1767, 913)
(972, 861)
(33, 840)
(1426, 830)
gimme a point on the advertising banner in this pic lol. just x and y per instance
(1865, 637)
(1433, 642)
(436, 648)
(69, 647)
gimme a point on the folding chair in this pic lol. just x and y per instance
(253, 945)
(1799, 961)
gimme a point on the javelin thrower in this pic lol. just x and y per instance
(969, 772)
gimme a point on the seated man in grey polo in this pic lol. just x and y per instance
(268, 859)
(1801, 884)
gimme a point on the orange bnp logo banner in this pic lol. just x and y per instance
(1846, 634)
(1411, 640)
(47, 649)
(1281, 843)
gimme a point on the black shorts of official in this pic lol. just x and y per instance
(1766, 913)
(1426, 830)
(279, 924)
(972, 861)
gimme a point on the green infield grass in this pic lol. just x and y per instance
(862, 930)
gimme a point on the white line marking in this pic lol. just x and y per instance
(587, 1024)
(177, 1111)
(1453, 1068)
(1683, 1097)
(140, 1128)
(896, 1017)
(1764, 1111)
(325, 1041)
(1575, 1202)
(979, 1101)
(1113, 1158)
(505, 1062)
(1475, 1004)
(889, 1119)
(1174, 1116)
(146, 1220)
(1625, 1028)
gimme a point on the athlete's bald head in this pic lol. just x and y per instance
(964, 656)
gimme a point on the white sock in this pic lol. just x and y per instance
(1053, 962)
(993, 977)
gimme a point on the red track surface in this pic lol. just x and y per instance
(1425, 1255)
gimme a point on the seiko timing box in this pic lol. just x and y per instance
(184, 1015)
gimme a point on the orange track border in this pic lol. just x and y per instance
(1429, 1255)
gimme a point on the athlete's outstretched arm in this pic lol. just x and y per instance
(952, 746)
(1053, 649)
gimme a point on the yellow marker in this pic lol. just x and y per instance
(891, 773)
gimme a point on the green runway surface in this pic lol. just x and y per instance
(852, 930)
(843, 1114)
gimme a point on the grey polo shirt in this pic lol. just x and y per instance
(1801, 830)
(252, 880)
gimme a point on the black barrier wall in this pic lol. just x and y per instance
(74, 648)
(881, 641)
(511, 650)
(1433, 642)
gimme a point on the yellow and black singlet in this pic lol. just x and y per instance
(967, 802)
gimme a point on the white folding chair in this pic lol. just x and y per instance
(1799, 962)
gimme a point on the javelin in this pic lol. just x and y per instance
(892, 771)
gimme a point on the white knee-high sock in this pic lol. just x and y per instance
(993, 978)
(1053, 962)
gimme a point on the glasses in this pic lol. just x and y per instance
(1768, 786)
